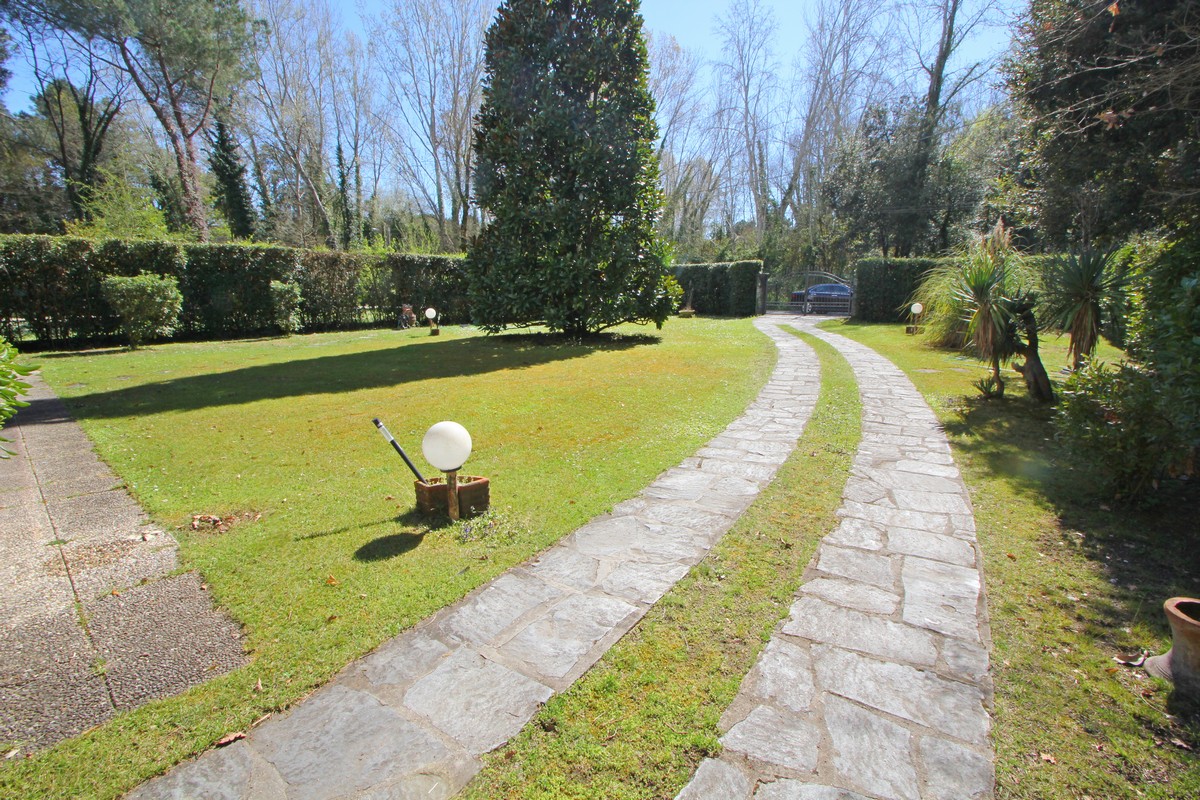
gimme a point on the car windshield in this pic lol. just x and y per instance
(829, 288)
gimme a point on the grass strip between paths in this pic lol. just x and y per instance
(639, 723)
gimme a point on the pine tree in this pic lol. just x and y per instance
(231, 194)
(567, 173)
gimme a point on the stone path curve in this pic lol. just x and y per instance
(413, 718)
(876, 685)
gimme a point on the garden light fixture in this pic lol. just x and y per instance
(915, 310)
(388, 435)
(431, 315)
(447, 446)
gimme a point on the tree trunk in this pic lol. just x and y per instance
(1037, 382)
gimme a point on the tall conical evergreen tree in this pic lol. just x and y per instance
(566, 172)
(231, 193)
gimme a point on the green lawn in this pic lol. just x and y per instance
(328, 561)
(1072, 580)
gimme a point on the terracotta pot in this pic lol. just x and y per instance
(474, 494)
(1181, 664)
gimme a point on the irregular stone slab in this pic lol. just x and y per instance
(402, 660)
(934, 546)
(941, 597)
(819, 621)
(554, 644)
(717, 779)
(783, 675)
(896, 517)
(857, 533)
(341, 740)
(481, 617)
(935, 502)
(870, 752)
(644, 583)
(775, 737)
(965, 660)
(954, 772)
(476, 701)
(945, 706)
(231, 773)
(684, 515)
(854, 595)
(567, 567)
(857, 565)
(797, 790)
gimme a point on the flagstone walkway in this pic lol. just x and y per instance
(876, 685)
(413, 718)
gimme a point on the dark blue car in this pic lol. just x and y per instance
(825, 298)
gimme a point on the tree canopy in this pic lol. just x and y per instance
(567, 172)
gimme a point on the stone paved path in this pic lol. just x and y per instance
(89, 623)
(413, 718)
(876, 685)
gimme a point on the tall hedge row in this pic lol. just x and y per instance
(728, 289)
(885, 287)
(50, 286)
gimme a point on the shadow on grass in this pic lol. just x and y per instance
(1148, 554)
(385, 547)
(416, 360)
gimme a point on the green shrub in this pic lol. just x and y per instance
(726, 290)
(285, 300)
(886, 287)
(147, 304)
(11, 387)
(1116, 419)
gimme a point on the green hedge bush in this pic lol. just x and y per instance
(724, 290)
(886, 287)
(52, 286)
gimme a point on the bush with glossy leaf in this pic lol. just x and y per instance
(11, 387)
(147, 304)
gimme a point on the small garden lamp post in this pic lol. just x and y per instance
(447, 446)
(431, 315)
(916, 309)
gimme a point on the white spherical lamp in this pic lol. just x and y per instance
(447, 445)
(916, 309)
(430, 314)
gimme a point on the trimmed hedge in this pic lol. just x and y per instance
(725, 290)
(50, 286)
(885, 287)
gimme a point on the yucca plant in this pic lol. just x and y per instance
(1075, 289)
(981, 289)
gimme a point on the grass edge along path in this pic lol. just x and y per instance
(640, 721)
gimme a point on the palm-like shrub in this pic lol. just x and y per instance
(981, 289)
(1076, 287)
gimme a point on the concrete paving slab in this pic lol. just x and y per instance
(51, 681)
(159, 638)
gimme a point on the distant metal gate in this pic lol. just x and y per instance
(797, 303)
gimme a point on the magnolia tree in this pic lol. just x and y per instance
(567, 173)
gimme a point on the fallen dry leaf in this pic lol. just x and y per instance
(16, 751)
(258, 685)
(332, 581)
(1010, 555)
(1049, 759)
(1181, 744)
(231, 738)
